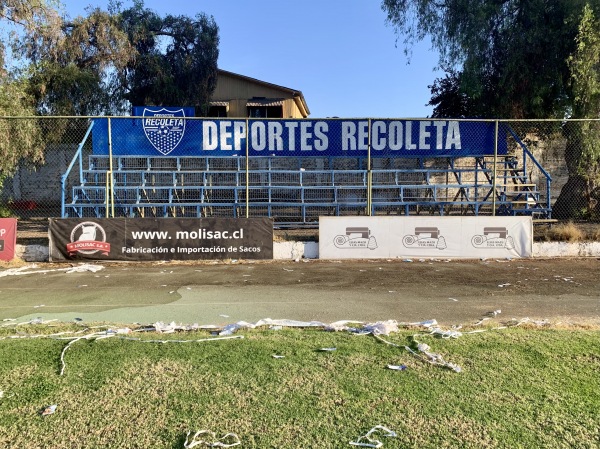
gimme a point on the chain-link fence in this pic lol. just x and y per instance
(297, 170)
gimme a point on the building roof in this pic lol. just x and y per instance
(296, 94)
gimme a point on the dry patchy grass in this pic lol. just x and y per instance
(519, 388)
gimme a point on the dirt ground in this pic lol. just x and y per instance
(452, 292)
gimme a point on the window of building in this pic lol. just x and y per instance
(217, 111)
(265, 108)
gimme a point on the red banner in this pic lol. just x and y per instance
(8, 238)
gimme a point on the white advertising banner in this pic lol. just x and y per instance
(425, 237)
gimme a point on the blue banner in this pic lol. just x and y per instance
(169, 132)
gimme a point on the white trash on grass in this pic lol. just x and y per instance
(367, 441)
(209, 439)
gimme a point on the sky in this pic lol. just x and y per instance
(340, 54)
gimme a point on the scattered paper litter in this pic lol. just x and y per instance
(231, 328)
(367, 441)
(31, 269)
(277, 356)
(480, 322)
(85, 267)
(397, 367)
(515, 322)
(49, 410)
(163, 328)
(426, 323)
(382, 327)
(38, 320)
(328, 349)
(209, 439)
(16, 271)
(431, 357)
(450, 333)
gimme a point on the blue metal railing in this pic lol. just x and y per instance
(527, 153)
(65, 176)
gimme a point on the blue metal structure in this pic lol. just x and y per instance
(296, 190)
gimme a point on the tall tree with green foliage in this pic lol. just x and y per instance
(580, 198)
(511, 54)
(175, 62)
(105, 61)
(20, 140)
(506, 58)
(69, 73)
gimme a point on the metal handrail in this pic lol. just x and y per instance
(64, 177)
(538, 165)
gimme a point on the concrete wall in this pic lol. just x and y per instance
(43, 184)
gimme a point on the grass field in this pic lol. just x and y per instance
(518, 388)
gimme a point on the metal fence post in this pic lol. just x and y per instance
(369, 174)
(495, 171)
(109, 176)
(247, 170)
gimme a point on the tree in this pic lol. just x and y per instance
(34, 17)
(176, 59)
(449, 100)
(20, 140)
(510, 59)
(511, 53)
(69, 72)
(107, 60)
(580, 196)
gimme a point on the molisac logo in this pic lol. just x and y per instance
(493, 237)
(425, 237)
(88, 238)
(356, 237)
(164, 128)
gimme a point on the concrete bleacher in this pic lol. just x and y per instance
(295, 191)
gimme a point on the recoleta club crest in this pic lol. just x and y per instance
(164, 128)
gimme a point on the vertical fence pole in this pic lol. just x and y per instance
(109, 177)
(495, 170)
(369, 174)
(247, 171)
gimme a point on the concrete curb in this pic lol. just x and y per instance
(310, 250)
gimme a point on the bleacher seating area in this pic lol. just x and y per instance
(295, 191)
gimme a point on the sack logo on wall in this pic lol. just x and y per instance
(425, 237)
(164, 128)
(493, 237)
(88, 238)
(355, 237)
